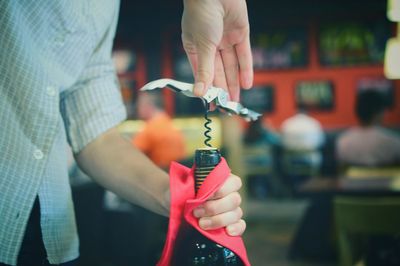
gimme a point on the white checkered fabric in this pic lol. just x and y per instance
(57, 86)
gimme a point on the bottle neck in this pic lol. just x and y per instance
(205, 160)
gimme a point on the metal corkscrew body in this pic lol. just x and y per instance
(207, 126)
(214, 95)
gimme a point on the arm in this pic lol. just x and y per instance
(115, 164)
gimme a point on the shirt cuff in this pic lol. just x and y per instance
(90, 109)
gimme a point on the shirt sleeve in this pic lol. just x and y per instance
(94, 104)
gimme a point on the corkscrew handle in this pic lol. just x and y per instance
(215, 95)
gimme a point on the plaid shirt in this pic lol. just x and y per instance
(57, 86)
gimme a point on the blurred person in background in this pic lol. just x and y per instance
(160, 140)
(302, 139)
(58, 87)
(368, 144)
(302, 132)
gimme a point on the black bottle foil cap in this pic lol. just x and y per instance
(207, 157)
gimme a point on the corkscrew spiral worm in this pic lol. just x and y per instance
(207, 126)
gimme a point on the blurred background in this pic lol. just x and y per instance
(326, 79)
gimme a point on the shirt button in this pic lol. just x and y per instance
(51, 91)
(38, 154)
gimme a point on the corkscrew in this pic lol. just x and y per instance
(218, 96)
(207, 126)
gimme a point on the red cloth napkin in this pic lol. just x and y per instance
(184, 200)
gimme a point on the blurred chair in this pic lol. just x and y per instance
(360, 218)
(258, 167)
(300, 165)
(302, 162)
(258, 159)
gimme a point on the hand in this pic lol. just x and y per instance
(223, 209)
(215, 36)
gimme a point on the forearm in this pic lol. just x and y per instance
(114, 163)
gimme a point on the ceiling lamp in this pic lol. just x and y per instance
(393, 10)
(392, 59)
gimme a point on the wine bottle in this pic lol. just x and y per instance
(191, 247)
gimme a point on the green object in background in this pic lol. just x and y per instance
(353, 43)
(360, 217)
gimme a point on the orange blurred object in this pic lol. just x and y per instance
(161, 141)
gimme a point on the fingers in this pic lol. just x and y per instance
(221, 220)
(192, 60)
(205, 68)
(219, 75)
(237, 228)
(215, 207)
(245, 57)
(232, 184)
(231, 68)
(223, 209)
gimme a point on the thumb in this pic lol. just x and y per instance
(205, 69)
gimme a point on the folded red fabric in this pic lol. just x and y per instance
(184, 200)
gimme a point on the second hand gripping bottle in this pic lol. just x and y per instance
(191, 247)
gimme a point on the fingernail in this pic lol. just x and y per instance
(198, 89)
(199, 212)
(247, 83)
(205, 223)
(231, 230)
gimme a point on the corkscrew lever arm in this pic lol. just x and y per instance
(215, 95)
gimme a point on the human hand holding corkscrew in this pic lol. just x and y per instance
(215, 36)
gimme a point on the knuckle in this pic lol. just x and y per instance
(189, 49)
(211, 208)
(219, 193)
(244, 225)
(239, 213)
(204, 74)
(218, 221)
(238, 181)
(237, 199)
